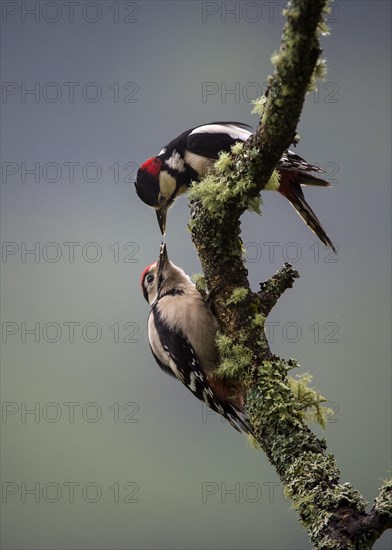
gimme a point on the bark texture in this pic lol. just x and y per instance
(333, 514)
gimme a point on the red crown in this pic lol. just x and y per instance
(152, 166)
(145, 271)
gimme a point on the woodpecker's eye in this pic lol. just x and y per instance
(150, 278)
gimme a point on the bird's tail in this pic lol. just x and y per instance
(290, 187)
(227, 400)
(239, 420)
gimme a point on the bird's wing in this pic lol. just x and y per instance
(178, 356)
(221, 136)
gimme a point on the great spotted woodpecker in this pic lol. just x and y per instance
(193, 153)
(181, 333)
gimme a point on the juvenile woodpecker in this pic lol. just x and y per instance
(181, 333)
(193, 153)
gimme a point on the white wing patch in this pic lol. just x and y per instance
(235, 132)
(176, 162)
(198, 163)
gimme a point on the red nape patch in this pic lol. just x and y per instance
(152, 166)
(145, 271)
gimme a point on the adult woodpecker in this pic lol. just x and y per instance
(181, 333)
(193, 153)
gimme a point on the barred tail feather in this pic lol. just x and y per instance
(308, 179)
(290, 187)
(311, 220)
(240, 421)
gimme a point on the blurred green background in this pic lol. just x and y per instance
(118, 455)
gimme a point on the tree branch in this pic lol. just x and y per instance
(272, 290)
(333, 514)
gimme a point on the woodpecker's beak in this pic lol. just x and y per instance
(161, 216)
(163, 257)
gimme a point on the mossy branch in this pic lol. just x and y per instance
(333, 514)
(272, 290)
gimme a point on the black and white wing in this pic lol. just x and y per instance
(175, 355)
(291, 162)
(221, 136)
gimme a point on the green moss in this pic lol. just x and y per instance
(254, 205)
(216, 190)
(319, 73)
(321, 69)
(292, 364)
(276, 58)
(270, 398)
(312, 484)
(322, 27)
(258, 320)
(383, 502)
(200, 282)
(236, 149)
(278, 405)
(234, 358)
(223, 163)
(212, 193)
(274, 182)
(309, 400)
(238, 295)
(289, 398)
(243, 185)
(259, 105)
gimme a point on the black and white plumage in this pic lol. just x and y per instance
(181, 333)
(193, 153)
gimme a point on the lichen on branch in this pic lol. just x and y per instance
(278, 406)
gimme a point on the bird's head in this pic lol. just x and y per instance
(154, 276)
(156, 187)
(163, 277)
